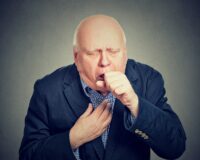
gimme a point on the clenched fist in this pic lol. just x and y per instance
(91, 124)
(119, 85)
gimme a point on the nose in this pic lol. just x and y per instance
(104, 60)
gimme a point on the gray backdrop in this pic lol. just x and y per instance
(36, 38)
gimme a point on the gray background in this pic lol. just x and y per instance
(36, 38)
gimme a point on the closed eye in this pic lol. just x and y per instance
(91, 53)
(113, 51)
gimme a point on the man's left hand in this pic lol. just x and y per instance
(119, 85)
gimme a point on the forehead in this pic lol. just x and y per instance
(92, 43)
(100, 36)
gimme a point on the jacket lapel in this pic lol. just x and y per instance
(78, 102)
(99, 148)
(74, 93)
(116, 130)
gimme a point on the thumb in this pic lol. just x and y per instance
(88, 110)
(100, 84)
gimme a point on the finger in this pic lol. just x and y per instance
(107, 121)
(101, 84)
(110, 78)
(105, 124)
(121, 79)
(88, 110)
(115, 84)
(99, 110)
(120, 90)
(105, 114)
(112, 73)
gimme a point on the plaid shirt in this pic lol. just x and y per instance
(96, 99)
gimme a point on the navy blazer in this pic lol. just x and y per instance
(58, 101)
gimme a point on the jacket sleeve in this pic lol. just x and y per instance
(37, 142)
(156, 123)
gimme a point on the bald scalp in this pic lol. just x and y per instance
(99, 22)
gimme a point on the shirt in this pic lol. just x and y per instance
(96, 99)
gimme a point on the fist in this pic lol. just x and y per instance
(119, 85)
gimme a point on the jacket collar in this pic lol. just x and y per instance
(73, 91)
(131, 72)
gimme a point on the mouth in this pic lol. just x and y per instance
(100, 77)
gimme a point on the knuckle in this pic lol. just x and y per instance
(116, 90)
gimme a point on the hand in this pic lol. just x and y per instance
(90, 125)
(119, 85)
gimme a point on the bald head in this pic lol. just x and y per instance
(98, 31)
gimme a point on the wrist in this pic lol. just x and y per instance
(74, 142)
(134, 106)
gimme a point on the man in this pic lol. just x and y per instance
(102, 107)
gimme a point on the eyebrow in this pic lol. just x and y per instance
(107, 49)
(97, 49)
(110, 49)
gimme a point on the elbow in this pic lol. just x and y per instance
(180, 149)
(173, 151)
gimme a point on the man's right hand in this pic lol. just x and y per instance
(91, 124)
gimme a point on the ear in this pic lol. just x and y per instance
(124, 52)
(75, 53)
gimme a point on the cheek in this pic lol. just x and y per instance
(79, 66)
(82, 64)
(88, 67)
(120, 63)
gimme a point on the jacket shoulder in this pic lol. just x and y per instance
(144, 71)
(53, 81)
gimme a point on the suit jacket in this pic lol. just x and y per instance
(58, 101)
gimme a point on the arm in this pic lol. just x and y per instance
(37, 142)
(149, 117)
(156, 123)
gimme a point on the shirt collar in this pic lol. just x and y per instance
(95, 97)
(86, 88)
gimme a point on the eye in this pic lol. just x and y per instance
(91, 53)
(114, 51)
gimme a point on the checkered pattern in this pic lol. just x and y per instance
(96, 99)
